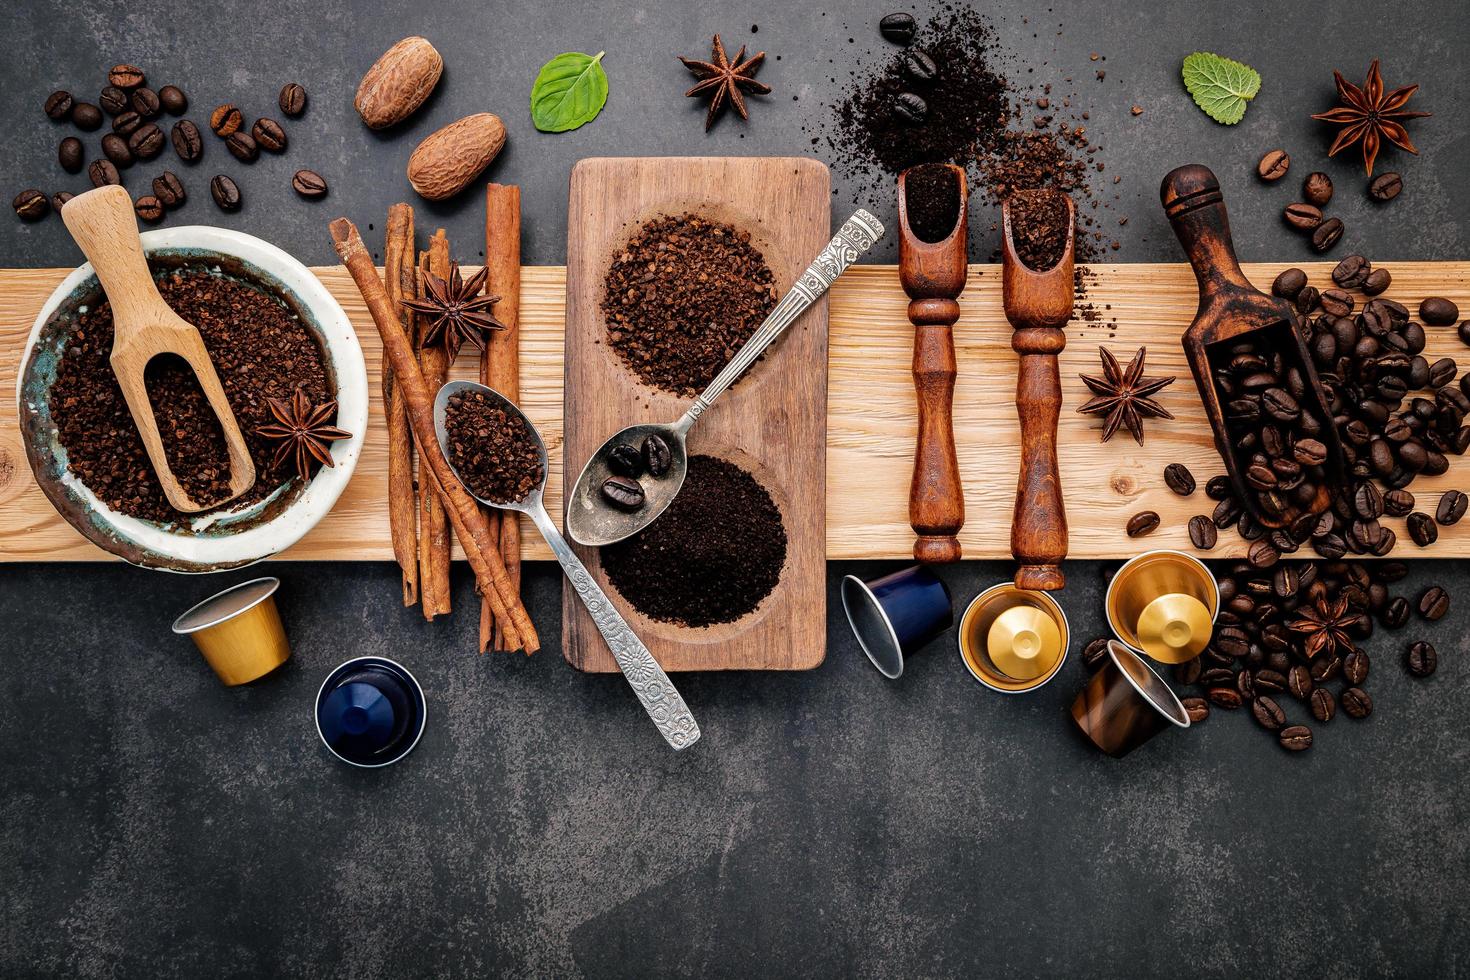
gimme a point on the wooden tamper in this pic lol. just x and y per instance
(933, 275)
(1038, 305)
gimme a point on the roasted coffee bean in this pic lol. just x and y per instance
(59, 199)
(1317, 188)
(188, 144)
(1188, 672)
(919, 66)
(1302, 217)
(86, 117)
(1273, 165)
(1385, 187)
(1351, 271)
(1263, 554)
(173, 100)
(145, 102)
(225, 119)
(1270, 681)
(1095, 654)
(1310, 452)
(1325, 666)
(309, 184)
(1442, 372)
(1268, 713)
(1289, 283)
(147, 141)
(225, 193)
(1368, 500)
(1322, 704)
(1377, 282)
(102, 173)
(126, 123)
(1422, 529)
(911, 107)
(656, 455)
(1232, 641)
(1356, 703)
(1245, 684)
(115, 148)
(1327, 234)
(1306, 300)
(898, 28)
(1224, 697)
(242, 147)
(1178, 478)
(1299, 682)
(1202, 532)
(1422, 658)
(126, 76)
(59, 105)
(1198, 709)
(169, 190)
(626, 461)
(1218, 487)
(1438, 311)
(149, 209)
(1434, 603)
(113, 100)
(1336, 302)
(1295, 738)
(1226, 513)
(1451, 507)
(292, 99)
(623, 493)
(1396, 613)
(1144, 522)
(1355, 667)
(1217, 676)
(71, 155)
(31, 205)
(269, 135)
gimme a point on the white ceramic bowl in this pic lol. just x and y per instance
(226, 539)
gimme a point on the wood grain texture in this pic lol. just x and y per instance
(771, 423)
(870, 416)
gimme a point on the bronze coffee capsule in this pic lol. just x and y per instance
(1013, 640)
(1125, 704)
(1163, 605)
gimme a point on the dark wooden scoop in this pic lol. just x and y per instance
(933, 274)
(1231, 309)
(1038, 305)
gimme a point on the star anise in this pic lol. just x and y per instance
(302, 430)
(1324, 627)
(456, 311)
(1369, 115)
(724, 80)
(1123, 395)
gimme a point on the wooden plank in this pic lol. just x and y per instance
(870, 425)
(772, 424)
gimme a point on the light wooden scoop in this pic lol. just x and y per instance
(103, 225)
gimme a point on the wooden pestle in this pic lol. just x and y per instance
(933, 274)
(1038, 305)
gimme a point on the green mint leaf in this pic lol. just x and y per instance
(570, 91)
(1220, 87)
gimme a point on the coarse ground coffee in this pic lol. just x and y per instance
(932, 201)
(1039, 228)
(493, 451)
(682, 297)
(260, 350)
(712, 557)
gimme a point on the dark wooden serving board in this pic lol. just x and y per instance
(773, 423)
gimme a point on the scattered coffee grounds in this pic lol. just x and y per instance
(493, 452)
(711, 557)
(260, 349)
(682, 297)
(932, 200)
(1039, 228)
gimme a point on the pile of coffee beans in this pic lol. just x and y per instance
(492, 450)
(1039, 227)
(137, 136)
(629, 464)
(931, 194)
(682, 296)
(712, 557)
(1307, 215)
(261, 350)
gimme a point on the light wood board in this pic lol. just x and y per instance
(870, 421)
(773, 423)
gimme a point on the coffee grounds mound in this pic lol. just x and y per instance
(493, 451)
(260, 350)
(712, 557)
(682, 297)
(932, 201)
(1039, 228)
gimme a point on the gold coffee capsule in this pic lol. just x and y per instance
(1013, 640)
(239, 631)
(1024, 643)
(1163, 604)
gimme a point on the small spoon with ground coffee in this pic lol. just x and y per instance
(495, 450)
(604, 505)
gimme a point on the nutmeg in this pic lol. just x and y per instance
(398, 83)
(448, 159)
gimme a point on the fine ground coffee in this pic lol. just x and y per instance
(932, 201)
(712, 557)
(492, 450)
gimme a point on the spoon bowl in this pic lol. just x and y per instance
(531, 501)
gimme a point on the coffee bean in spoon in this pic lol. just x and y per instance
(656, 455)
(623, 493)
(626, 461)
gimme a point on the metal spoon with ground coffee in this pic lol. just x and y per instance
(592, 517)
(516, 439)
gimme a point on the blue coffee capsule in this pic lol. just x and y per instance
(370, 712)
(896, 614)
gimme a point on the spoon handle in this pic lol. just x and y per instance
(855, 237)
(648, 680)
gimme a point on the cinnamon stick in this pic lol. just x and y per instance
(500, 362)
(433, 528)
(398, 282)
(464, 513)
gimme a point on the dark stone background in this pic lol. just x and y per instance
(153, 823)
